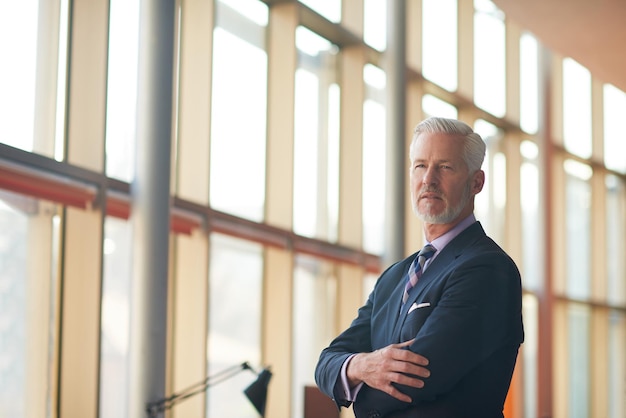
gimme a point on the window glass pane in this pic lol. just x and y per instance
(310, 45)
(616, 384)
(439, 42)
(316, 138)
(330, 9)
(238, 127)
(314, 303)
(122, 89)
(61, 85)
(433, 106)
(614, 143)
(578, 224)
(254, 10)
(578, 361)
(333, 162)
(490, 202)
(529, 83)
(18, 21)
(374, 160)
(530, 312)
(576, 108)
(368, 284)
(33, 39)
(482, 200)
(375, 23)
(29, 292)
(489, 58)
(499, 182)
(616, 240)
(234, 333)
(306, 173)
(114, 343)
(532, 253)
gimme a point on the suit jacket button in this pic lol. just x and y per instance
(373, 414)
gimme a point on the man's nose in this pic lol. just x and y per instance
(430, 176)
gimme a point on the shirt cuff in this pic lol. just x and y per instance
(349, 393)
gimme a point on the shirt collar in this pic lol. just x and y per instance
(440, 242)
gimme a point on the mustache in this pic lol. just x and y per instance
(430, 189)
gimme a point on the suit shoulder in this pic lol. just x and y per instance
(399, 265)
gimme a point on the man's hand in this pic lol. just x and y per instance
(392, 364)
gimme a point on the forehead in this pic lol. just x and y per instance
(438, 146)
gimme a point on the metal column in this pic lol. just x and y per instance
(545, 357)
(395, 59)
(150, 194)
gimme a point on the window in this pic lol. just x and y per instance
(614, 144)
(439, 42)
(491, 201)
(29, 294)
(528, 352)
(615, 246)
(433, 106)
(314, 302)
(115, 335)
(578, 361)
(236, 269)
(576, 108)
(617, 367)
(330, 9)
(532, 251)
(122, 89)
(33, 47)
(529, 83)
(578, 229)
(375, 23)
(374, 160)
(239, 112)
(316, 138)
(489, 58)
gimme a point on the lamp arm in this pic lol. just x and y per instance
(164, 404)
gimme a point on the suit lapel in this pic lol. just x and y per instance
(393, 307)
(451, 252)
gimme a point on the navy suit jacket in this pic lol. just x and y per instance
(468, 324)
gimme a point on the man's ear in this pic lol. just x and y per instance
(478, 181)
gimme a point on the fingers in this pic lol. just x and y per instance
(392, 391)
(395, 358)
(411, 382)
(402, 354)
(398, 378)
(384, 367)
(404, 344)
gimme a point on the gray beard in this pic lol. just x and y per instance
(449, 214)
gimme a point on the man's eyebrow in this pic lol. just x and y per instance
(448, 161)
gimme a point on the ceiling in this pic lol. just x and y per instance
(592, 32)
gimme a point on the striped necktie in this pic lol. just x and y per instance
(416, 269)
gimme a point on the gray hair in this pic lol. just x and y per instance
(474, 149)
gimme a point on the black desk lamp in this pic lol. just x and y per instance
(256, 392)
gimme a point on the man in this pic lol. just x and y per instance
(448, 347)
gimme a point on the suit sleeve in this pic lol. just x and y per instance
(479, 304)
(355, 339)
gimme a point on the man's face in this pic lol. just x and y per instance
(442, 189)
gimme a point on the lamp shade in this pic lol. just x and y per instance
(257, 391)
